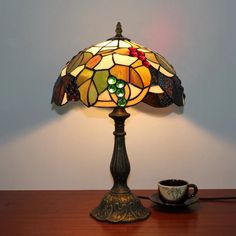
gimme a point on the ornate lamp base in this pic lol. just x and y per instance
(120, 205)
(120, 208)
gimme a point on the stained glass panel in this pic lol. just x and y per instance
(74, 62)
(135, 78)
(144, 74)
(83, 89)
(84, 75)
(134, 91)
(76, 71)
(103, 43)
(123, 51)
(155, 89)
(105, 104)
(165, 72)
(166, 65)
(123, 44)
(93, 50)
(105, 63)
(87, 56)
(105, 96)
(138, 99)
(137, 63)
(120, 72)
(108, 48)
(156, 66)
(124, 60)
(92, 94)
(151, 57)
(100, 80)
(64, 100)
(93, 61)
(63, 72)
(113, 43)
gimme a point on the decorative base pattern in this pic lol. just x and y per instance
(120, 208)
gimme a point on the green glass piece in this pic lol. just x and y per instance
(120, 84)
(121, 102)
(100, 80)
(112, 88)
(111, 80)
(120, 92)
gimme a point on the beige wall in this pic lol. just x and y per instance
(71, 148)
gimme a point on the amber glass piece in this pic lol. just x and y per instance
(87, 56)
(155, 65)
(93, 61)
(123, 51)
(137, 63)
(114, 97)
(120, 72)
(75, 62)
(156, 89)
(76, 71)
(165, 64)
(105, 63)
(83, 89)
(104, 96)
(127, 91)
(92, 94)
(151, 57)
(84, 75)
(139, 98)
(100, 80)
(145, 75)
(124, 60)
(134, 91)
(165, 72)
(105, 104)
(135, 78)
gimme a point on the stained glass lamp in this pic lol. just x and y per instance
(118, 73)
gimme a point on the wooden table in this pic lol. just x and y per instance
(66, 213)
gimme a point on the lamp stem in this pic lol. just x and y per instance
(120, 204)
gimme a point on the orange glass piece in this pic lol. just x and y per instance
(137, 63)
(135, 78)
(93, 61)
(123, 51)
(120, 72)
(145, 75)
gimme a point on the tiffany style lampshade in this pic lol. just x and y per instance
(118, 73)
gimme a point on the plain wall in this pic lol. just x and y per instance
(70, 148)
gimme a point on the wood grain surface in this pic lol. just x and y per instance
(66, 213)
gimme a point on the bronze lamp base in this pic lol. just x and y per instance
(120, 205)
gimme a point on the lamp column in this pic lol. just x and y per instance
(120, 204)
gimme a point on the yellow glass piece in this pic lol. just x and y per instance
(84, 75)
(134, 91)
(108, 48)
(100, 80)
(92, 94)
(145, 75)
(105, 96)
(86, 58)
(105, 63)
(75, 62)
(135, 78)
(93, 61)
(105, 104)
(120, 72)
(113, 43)
(124, 44)
(114, 97)
(156, 66)
(63, 72)
(135, 45)
(123, 51)
(165, 64)
(105, 52)
(137, 63)
(165, 72)
(93, 50)
(76, 71)
(124, 60)
(127, 91)
(143, 50)
(138, 98)
(156, 89)
(64, 100)
(83, 89)
(102, 43)
(151, 57)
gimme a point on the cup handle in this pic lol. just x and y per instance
(195, 190)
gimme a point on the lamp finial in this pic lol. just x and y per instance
(118, 30)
